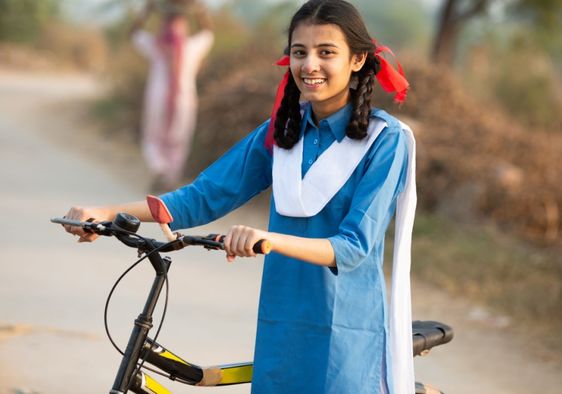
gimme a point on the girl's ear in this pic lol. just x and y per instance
(358, 60)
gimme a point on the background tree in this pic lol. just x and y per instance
(452, 17)
(543, 17)
(22, 21)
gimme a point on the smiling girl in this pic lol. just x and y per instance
(339, 169)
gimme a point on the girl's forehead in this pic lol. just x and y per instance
(315, 34)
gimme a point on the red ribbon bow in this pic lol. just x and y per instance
(390, 79)
(284, 61)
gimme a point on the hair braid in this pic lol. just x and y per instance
(361, 99)
(288, 122)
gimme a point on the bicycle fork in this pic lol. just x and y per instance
(142, 325)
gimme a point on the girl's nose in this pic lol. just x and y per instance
(310, 65)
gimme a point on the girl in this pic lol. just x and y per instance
(338, 170)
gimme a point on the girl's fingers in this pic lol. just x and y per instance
(229, 241)
(88, 237)
(249, 244)
(240, 241)
(84, 214)
(75, 213)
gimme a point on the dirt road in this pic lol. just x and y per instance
(53, 290)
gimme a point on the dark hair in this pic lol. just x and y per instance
(347, 18)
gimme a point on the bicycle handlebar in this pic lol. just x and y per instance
(131, 239)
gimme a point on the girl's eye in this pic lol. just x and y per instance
(326, 52)
(297, 53)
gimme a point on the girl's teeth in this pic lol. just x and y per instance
(313, 81)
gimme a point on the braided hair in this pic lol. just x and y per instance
(347, 18)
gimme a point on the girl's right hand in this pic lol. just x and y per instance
(95, 214)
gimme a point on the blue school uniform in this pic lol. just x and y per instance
(320, 330)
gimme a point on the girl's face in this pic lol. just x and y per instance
(321, 65)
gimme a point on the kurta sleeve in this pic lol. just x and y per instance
(240, 174)
(374, 200)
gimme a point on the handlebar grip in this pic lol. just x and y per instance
(68, 222)
(88, 226)
(263, 246)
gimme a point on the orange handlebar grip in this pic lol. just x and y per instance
(265, 246)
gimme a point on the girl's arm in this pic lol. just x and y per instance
(241, 239)
(105, 213)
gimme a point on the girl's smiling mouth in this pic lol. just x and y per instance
(313, 82)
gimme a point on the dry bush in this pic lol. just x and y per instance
(84, 49)
(60, 47)
(474, 155)
(120, 111)
(236, 94)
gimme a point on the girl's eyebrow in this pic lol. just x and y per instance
(323, 44)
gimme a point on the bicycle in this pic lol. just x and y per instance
(141, 349)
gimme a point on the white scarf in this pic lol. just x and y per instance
(298, 197)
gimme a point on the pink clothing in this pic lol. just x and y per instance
(166, 148)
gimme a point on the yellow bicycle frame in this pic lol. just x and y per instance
(185, 372)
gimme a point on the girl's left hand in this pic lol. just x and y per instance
(240, 241)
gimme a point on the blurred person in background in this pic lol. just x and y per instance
(169, 115)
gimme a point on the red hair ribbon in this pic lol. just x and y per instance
(390, 79)
(284, 61)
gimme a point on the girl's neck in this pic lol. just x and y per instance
(323, 109)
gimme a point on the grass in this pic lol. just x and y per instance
(486, 266)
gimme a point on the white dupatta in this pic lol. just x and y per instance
(304, 197)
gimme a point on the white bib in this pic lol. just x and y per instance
(298, 197)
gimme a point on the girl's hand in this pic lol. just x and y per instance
(240, 241)
(96, 214)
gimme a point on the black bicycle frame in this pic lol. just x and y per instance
(143, 323)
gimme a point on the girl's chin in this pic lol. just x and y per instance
(312, 96)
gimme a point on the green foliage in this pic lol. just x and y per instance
(530, 95)
(544, 14)
(398, 23)
(230, 33)
(506, 64)
(544, 21)
(253, 13)
(22, 21)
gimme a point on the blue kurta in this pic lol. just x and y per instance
(320, 330)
